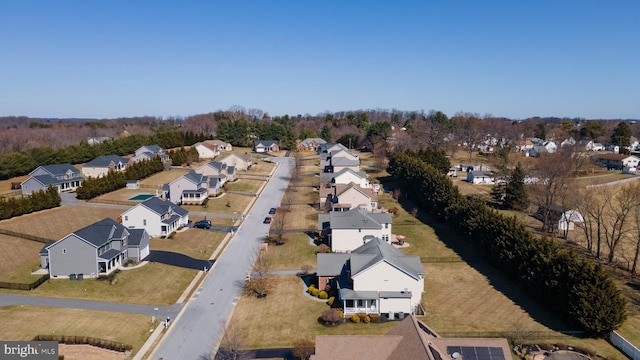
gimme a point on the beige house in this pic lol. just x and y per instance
(206, 150)
(102, 165)
(347, 197)
(241, 162)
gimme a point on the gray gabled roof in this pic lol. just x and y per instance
(195, 177)
(357, 218)
(306, 141)
(106, 160)
(343, 161)
(265, 143)
(102, 232)
(155, 149)
(378, 250)
(220, 166)
(331, 264)
(162, 207)
(138, 238)
(58, 169)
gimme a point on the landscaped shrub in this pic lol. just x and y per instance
(340, 312)
(311, 287)
(375, 318)
(323, 294)
(331, 317)
(366, 319)
(331, 300)
(314, 291)
(323, 248)
(355, 318)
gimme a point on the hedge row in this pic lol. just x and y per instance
(27, 204)
(92, 187)
(573, 287)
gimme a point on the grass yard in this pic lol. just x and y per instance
(57, 222)
(295, 253)
(237, 204)
(164, 177)
(305, 194)
(244, 186)
(22, 323)
(308, 181)
(300, 217)
(152, 284)
(261, 167)
(125, 194)
(262, 323)
(195, 243)
(18, 258)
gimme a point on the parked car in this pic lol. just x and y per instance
(267, 220)
(272, 211)
(202, 224)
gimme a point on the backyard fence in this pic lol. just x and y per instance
(102, 343)
(528, 335)
(624, 345)
(614, 182)
(25, 236)
(450, 259)
(114, 202)
(19, 286)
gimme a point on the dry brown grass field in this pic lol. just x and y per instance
(151, 284)
(24, 322)
(236, 204)
(296, 252)
(164, 177)
(58, 222)
(249, 186)
(300, 217)
(195, 243)
(262, 168)
(18, 258)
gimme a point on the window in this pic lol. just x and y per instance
(64, 251)
(385, 238)
(360, 303)
(144, 222)
(126, 218)
(373, 303)
(349, 303)
(386, 226)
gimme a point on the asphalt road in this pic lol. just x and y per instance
(197, 331)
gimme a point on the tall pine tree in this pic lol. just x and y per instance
(515, 193)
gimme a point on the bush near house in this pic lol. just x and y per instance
(37, 201)
(573, 287)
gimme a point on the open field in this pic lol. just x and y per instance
(195, 243)
(244, 186)
(296, 252)
(58, 222)
(262, 324)
(24, 322)
(152, 284)
(18, 258)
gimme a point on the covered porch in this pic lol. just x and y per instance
(110, 260)
(194, 197)
(359, 302)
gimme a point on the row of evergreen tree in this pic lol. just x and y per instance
(40, 200)
(114, 180)
(21, 163)
(573, 287)
(242, 132)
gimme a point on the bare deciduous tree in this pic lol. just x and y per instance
(620, 208)
(231, 345)
(591, 204)
(554, 174)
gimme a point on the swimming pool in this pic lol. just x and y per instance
(142, 197)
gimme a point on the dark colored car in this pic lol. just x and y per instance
(272, 211)
(202, 224)
(267, 220)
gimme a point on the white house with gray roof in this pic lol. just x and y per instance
(191, 188)
(101, 165)
(345, 177)
(65, 177)
(218, 169)
(373, 278)
(148, 152)
(347, 230)
(158, 217)
(240, 161)
(95, 250)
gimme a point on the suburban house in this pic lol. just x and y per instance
(218, 169)
(148, 152)
(560, 218)
(347, 197)
(95, 250)
(65, 177)
(189, 189)
(410, 339)
(102, 165)
(344, 177)
(265, 146)
(373, 278)
(590, 145)
(480, 177)
(524, 145)
(158, 217)
(568, 142)
(347, 230)
(310, 144)
(206, 150)
(220, 145)
(241, 162)
(550, 146)
(617, 161)
(327, 148)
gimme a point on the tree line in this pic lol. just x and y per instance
(39, 200)
(23, 162)
(114, 180)
(575, 288)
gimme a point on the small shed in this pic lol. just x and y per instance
(133, 184)
(480, 177)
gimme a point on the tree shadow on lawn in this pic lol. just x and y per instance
(473, 256)
(179, 260)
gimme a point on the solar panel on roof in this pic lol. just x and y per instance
(477, 352)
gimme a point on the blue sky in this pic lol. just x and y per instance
(106, 59)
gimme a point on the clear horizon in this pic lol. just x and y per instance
(569, 59)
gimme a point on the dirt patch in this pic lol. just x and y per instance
(88, 352)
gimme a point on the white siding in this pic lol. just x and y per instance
(395, 305)
(348, 177)
(135, 218)
(384, 277)
(343, 240)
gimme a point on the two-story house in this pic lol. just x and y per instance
(158, 217)
(95, 250)
(148, 152)
(344, 177)
(347, 230)
(240, 162)
(65, 177)
(102, 165)
(189, 189)
(347, 197)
